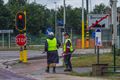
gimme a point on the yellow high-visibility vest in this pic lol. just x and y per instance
(71, 47)
(52, 44)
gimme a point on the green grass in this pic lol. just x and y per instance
(88, 60)
(80, 74)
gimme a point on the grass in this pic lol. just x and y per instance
(80, 74)
(88, 60)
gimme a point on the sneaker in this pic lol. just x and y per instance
(54, 71)
(69, 70)
(47, 71)
(65, 70)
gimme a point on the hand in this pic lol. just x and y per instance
(43, 52)
(63, 54)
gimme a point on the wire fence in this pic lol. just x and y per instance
(75, 35)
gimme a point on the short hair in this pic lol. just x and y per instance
(66, 34)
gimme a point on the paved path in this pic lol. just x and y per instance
(36, 69)
(7, 55)
(64, 77)
(7, 75)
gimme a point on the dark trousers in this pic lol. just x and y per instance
(67, 60)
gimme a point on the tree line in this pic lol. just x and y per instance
(39, 17)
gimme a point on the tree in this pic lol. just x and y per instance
(4, 16)
(100, 9)
(19, 2)
(73, 18)
(35, 18)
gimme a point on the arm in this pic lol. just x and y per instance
(58, 43)
(46, 46)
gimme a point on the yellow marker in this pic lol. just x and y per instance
(21, 55)
(25, 60)
(83, 34)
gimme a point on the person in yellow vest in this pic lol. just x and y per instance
(51, 46)
(68, 49)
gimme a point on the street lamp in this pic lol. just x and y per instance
(55, 20)
(64, 14)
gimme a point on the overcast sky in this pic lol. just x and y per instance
(75, 3)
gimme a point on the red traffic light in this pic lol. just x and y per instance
(20, 21)
(20, 17)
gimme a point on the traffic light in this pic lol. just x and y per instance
(21, 21)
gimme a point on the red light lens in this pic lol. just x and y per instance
(20, 17)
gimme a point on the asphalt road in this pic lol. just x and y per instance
(7, 75)
(6, 55)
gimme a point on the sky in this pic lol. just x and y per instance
(74, 3)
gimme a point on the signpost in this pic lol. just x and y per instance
(98, 20)
(21, 40)
(98, 42)
(98, 39)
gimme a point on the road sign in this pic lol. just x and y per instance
(98, 39)
(93, 35)
(21, 40)
(60, 23)
(98, 21)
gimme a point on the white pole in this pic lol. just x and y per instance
(64, 15)
(114, 21)
(64, 24)
(3, 40)
(55, 20)
(9, 39)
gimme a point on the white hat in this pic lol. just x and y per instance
(51, 34)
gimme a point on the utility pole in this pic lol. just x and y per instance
(83, 28)
(55, 20)
(64, 15)
(64, 23)
(87, 5)
(87, 30)
(114, 25)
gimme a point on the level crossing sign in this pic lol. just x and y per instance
(98, 21)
